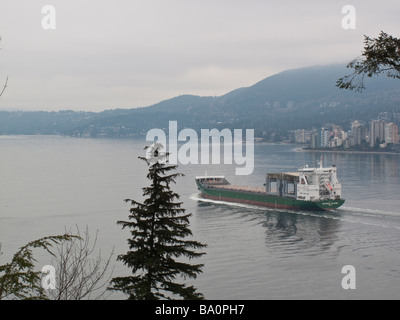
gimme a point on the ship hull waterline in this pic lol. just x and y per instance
(270, 201)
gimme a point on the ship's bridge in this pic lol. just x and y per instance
(318, 183)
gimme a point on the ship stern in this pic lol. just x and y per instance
(330, 204)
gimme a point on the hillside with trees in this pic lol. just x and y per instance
(300, 98)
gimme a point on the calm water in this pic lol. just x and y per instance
(50, 184)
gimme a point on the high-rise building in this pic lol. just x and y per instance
(315, 140)
(324, 138)
(391, 133)
(358, 132)
(376, 132)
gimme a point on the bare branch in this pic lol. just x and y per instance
(4, 88)
(79, 275)
(5, 85)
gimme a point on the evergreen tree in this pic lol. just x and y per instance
(158, 226)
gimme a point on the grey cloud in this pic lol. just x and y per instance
(106, 54)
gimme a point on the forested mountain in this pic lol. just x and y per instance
(293, 99)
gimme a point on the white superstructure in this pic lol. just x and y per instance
(316, 184)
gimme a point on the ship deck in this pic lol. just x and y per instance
(240, 188)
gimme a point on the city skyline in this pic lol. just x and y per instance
(377, 133)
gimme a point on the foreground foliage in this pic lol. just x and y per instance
(381, 55)
(158, 226)
(18, 280)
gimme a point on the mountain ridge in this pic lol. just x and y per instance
(292, 99)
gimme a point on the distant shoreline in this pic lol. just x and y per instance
(350, 151)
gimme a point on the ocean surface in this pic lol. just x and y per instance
(52, 184)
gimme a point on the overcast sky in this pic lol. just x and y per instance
(125, 54)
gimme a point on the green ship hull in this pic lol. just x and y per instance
(262, 199)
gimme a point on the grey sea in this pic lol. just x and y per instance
(51, 184)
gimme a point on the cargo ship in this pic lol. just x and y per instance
(313, 189)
